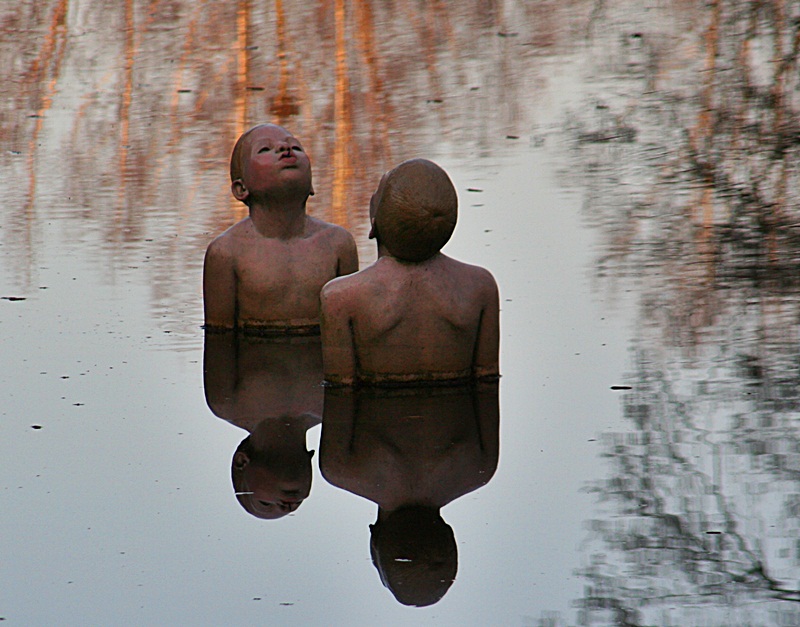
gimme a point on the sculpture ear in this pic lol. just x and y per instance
(239, 191)
(240, 460)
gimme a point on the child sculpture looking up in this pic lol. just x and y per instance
(264, 274)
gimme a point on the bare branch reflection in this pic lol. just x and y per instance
(119, 117)
(689, 150)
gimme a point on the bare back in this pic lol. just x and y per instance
(432, 320)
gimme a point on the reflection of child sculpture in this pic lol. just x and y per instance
(264, 274)
(415, 315)
(271, 387)
(411, 452)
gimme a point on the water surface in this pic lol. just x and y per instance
(626, 171)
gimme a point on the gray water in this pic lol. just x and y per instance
(626, 170)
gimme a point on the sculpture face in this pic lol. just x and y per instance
(273, 162)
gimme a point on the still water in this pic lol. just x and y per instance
(628, 172)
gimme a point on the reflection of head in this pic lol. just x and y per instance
(415, 552)
(270, 484)
(416, 210)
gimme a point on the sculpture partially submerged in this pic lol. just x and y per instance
(264, 274)
(415, 315)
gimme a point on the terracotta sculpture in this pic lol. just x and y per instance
(415, 315)
(264, 274)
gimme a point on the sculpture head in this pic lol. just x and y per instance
(414, 210)
(268, 161)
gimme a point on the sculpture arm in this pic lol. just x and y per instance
(348, 257)
(338, 348)
(219, 287)
(487, 346)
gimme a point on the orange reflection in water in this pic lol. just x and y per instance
(151, 95)
(283, 104)
(45, 71)
(343, 128)
(125, 108)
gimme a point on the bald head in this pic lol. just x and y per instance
(237, 156)
(416, 210)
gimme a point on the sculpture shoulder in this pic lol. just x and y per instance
(316, 227)
(476, 273)
(487, 283)
(225, 244)
(459, 278)
(351, 291)
(340, 288)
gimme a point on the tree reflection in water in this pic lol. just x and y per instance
(123, 114)
(694, 186)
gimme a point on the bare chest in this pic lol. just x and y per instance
(280, 269)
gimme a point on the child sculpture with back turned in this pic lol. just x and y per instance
(264, 274)
(415, 315)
